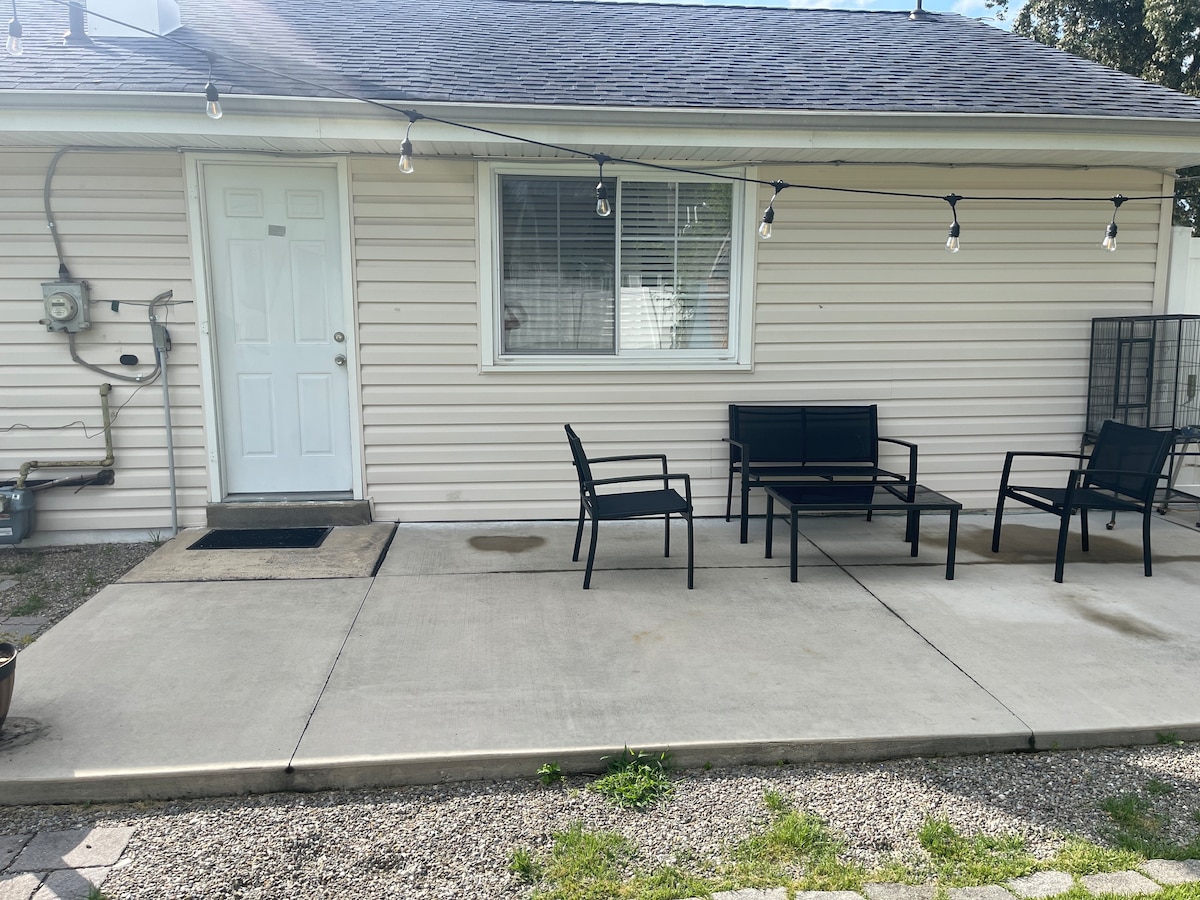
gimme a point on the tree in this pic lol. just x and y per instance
(1157, 40)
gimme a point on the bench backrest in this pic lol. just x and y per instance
(1129, 448)
(805, 434)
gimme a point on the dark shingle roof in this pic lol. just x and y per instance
(595, 54)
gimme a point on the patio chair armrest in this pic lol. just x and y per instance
(626, 479)
(633, 457)
(1053, 454)
(912, 456)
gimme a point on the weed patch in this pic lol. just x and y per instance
(635, 780)
(30, 606)
(1140, 828)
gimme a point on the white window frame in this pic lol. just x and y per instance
(736, 357)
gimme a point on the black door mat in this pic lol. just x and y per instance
(262, 539)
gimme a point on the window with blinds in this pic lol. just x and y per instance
(652, 279)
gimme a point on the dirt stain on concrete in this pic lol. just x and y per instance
(504, 543)
(1121, 623)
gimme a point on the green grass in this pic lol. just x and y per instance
(635, 780)
(31, 605)
(17, 564)
(798, 851)
(962, 861)
(1140, 827)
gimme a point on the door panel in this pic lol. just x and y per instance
(275, 256)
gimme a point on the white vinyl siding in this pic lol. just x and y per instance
(856, 301)
(968, 355)
(122, 218)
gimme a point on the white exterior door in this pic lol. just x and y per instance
(281, 342)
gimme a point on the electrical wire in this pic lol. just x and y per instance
(89, 436)
(413, 115)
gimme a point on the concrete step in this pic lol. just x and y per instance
(288, 513)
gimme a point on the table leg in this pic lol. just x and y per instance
(770, 519)
(951, 544)
(794, 547)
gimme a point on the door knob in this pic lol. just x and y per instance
(339, 360)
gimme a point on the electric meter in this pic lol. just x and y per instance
(66, 304)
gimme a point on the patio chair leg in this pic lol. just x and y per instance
(587, 575)
(745, 513)
(729, 497)
(578, 535)
(996, 524)
(691, 552)
(1146, 541)
(1083, 529)
(667, 535)
(1061, 555)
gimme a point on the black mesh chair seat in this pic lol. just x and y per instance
(638, 504)
(1121, 475)
(603, 499)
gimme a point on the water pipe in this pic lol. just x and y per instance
(27, 467)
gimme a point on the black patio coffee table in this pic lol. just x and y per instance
(868, 497)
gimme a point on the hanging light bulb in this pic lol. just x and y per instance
(1110, 233)
(768, 219)
(212, 99)
(406, 147)
(212, 105)
(603, 207)
(13, 45)
(955, 229)
(764, 230)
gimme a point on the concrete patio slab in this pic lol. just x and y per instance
(475, 652)
(1108, 656)
(484, 547)
(197, 686)
(747, 667)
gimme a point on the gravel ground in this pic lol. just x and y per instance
(455, 841)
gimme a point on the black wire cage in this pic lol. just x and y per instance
(1145, 371)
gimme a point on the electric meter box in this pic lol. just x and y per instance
(17, 515)
(66, 305)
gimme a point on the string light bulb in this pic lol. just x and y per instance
(13, 45)
(406, 147)
(212, 98)
(952, 245)
(1110, 233)
(603, 207)
(768, 219)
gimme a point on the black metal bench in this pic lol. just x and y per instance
(778, 445)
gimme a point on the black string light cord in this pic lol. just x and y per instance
(414, 116)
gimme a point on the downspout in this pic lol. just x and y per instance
(27, 467)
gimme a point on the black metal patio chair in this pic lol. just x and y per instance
(611, 505)
(1121, 475)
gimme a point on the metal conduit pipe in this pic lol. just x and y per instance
(27, 467)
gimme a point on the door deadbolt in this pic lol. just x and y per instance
(339, 360)
(339, 337)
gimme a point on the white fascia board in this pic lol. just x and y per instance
(772, 135)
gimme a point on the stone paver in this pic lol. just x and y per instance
(76, 849)
(71, 884)
(888, 890)
(828, 895)
(1041, 884)
(1123, 884)
(1172, 871)
(19, 887)
(752, 894)
(10, 846)
(987, 892)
